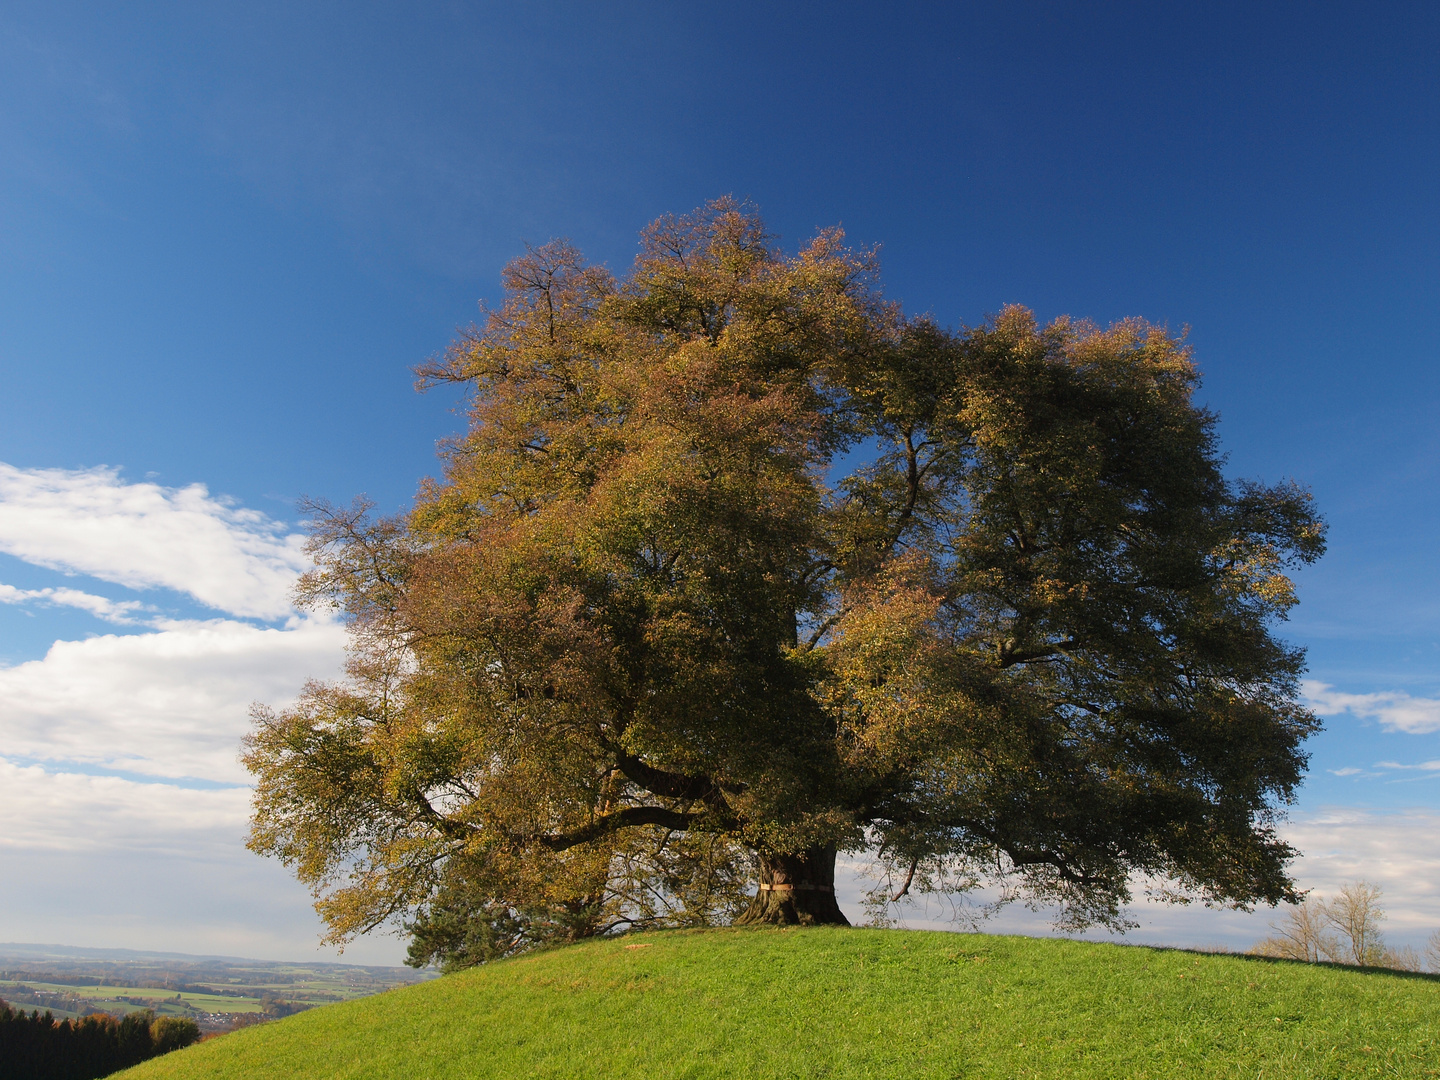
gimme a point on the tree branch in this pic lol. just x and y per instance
(622, 819)
(666, 784)
(1010, 657)
(909, 877)
(823, 629)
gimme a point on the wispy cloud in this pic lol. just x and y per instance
(1395, 710)
(175, 870)
(120, 612)
(143, 535)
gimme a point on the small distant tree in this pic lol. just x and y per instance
(1304, 935)
(1342, 930)
(1432, 952)
(1405, 958)
(1356, 915)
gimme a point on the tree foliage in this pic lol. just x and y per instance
(736, 566)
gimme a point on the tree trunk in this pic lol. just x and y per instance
(796, 889)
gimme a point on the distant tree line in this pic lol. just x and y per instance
(36, 1046)
(21, 995)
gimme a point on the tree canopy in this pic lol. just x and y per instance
(736, 566)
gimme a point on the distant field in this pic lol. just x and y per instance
(153, 997)
(216, 992)
(840, 1004)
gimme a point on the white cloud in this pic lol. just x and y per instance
(1395, 709)
(1424, 766)
(120, 612)
(172, 703)
(119, 753)
(144, 536)
(74, 812)
(106, 862)
(1398, 850)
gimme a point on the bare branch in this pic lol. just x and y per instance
(909, 877)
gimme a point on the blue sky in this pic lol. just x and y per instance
(226, 232)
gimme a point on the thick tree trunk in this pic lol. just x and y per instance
(796, 889)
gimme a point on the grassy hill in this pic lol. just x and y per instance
(836, 1003)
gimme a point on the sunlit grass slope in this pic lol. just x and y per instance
(839, 1003)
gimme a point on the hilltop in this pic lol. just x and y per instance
(841, 1003)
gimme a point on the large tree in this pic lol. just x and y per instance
(735, 566)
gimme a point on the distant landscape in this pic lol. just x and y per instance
(220, 993)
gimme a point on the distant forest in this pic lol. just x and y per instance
(36, 1046)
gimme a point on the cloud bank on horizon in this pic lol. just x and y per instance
(125, 742)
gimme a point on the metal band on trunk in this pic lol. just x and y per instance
(791, 888)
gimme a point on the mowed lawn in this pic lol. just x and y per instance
(838, 1003)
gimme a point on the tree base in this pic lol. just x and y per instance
(796, 890)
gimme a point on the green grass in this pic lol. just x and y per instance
(835, 1003)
